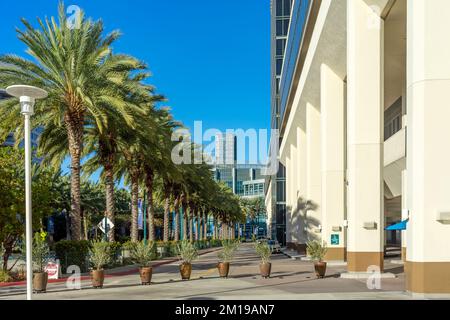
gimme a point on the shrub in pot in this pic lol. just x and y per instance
(143, 253)
(317, 252)
(99, 257)
(187, 253)
(226, 256)
(40, 252)
(264, 251)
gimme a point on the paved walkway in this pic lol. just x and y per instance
(291, 279)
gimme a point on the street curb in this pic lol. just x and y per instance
(109, 275)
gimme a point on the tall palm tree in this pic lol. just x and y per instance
(72, 66)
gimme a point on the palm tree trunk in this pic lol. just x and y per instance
(177, 218)
(200, 226)
(214, 229)
(110, 202)
(85, 227)
(150, 207)
(74, 127)
(184, 217)
(198, 229)
(191, 226)
(134, 207)
(166, 218)
(205, 225)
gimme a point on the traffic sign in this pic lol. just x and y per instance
(102, 224)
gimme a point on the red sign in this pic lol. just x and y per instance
(52, 270)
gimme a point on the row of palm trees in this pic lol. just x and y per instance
(101, 113)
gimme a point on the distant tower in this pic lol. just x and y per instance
(225, 149)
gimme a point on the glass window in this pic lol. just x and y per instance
(285, 26)
(279, 27)
(279, 7)
(287, 7)
(279, 47)
(279, 65)
(281, 193)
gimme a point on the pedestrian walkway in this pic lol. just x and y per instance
(290, 279)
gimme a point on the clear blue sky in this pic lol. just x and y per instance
(210, 58)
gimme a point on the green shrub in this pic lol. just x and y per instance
(4, 276)
(71, 252)
(100, 254)
(142, 253)
(316, 250)
(228, 251)
(40, 251)
(263, 250)
(186, 252)
(216, 243)
(115, 250)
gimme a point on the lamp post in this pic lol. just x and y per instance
(27, 96)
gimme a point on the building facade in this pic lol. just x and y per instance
(276, 204)
(246, 180)
(364, 110)
(10, 141)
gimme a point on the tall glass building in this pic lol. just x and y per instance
(10, 141)
(280, 20)
(246, 180)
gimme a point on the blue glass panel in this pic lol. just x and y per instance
(298, 20)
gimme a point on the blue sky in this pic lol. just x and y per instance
(210, 58)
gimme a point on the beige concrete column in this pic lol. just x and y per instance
(405, 212)
(427, 268)
(333, 156)
(364, 137)
(289, 220)
(302, 185)
(313, 201)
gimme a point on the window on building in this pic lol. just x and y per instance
(279, 28)
(279, 66)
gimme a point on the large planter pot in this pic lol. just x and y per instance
(224, 269)
(265, 269)
(320, 268)
(146, 275)
(185, 271)
(98, 277)
(40, 280)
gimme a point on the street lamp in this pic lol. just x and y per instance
(27, 96)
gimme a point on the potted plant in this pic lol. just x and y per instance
(143, 253)
(317, 252)
(187, 253)
(225, 257)
(264, 251)
(40, 251)
(99, 256)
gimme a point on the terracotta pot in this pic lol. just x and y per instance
(40, 280)
(320, 268)
(185, 271)
(146, 275)
(224, 269)
(98, 277)
(265, 269)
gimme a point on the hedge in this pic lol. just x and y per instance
(71, 252)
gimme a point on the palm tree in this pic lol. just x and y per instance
(73, 67)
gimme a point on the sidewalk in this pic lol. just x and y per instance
(114, 272)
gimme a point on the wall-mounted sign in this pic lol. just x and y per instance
(334, 239)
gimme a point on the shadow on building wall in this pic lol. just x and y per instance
(302, 225)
